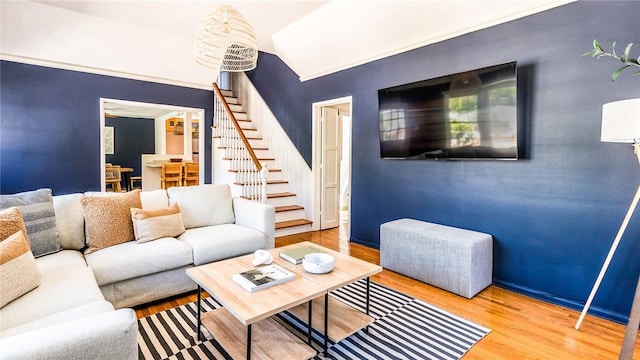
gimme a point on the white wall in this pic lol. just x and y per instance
(41, 34)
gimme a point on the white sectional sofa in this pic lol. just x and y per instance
(79, 310)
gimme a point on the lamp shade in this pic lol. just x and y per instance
(225, 41)
(621, 121)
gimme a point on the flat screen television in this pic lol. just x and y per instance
(469, 115)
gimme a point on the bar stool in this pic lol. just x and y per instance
(171, 175)
(191, 174)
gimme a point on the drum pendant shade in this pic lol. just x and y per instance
(225, 42)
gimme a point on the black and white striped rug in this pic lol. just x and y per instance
(405, 328)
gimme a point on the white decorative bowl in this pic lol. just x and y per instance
(318, 263)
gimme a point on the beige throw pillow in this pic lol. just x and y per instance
(19, 271)
(107, 219)
(156, 223)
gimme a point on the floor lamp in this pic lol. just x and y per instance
(620, 123)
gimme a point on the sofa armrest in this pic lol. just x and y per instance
(110, 335)
(258, 216)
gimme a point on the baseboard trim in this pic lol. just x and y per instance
(365, 243)
(570, 304)
(540, 295)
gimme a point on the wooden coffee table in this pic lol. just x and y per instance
(244, 313)
(335, 319)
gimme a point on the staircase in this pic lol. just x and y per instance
(252, 171)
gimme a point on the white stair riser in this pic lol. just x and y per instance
(244, 165)
(240, 115)
(262, 153)
(282, 201)
(290, 215)
(241, 177)
(293, 230)
(235, 107)
(277, 188)
(231, 100)
(248, 129)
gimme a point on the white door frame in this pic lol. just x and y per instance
(200, 112)
(317, 153)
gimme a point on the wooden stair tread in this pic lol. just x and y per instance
(269, 182)
(289, 208)
(292, 223)
(243, 129)
(235, 170)
(271, 195)
(279, 195)
(254, 148)
(265, 159)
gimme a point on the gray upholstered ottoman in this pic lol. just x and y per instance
(457, 260)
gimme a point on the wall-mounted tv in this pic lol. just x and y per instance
(469, 115)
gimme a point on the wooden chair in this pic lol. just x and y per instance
(112, 178)
(171, 175)
(190, 174)
(135, 182)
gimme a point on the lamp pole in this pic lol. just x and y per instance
(614, 246)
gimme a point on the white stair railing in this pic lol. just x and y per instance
(249, 172)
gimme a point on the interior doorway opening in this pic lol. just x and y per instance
(182, 140)
(332, 163)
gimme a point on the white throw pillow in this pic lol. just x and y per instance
(203, 205)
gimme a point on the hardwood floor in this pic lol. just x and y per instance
(522, 327)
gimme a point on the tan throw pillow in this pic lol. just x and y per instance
(107, 219)
(19, 271)
(156, 223)
(11, 222)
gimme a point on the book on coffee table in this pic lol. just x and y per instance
(263, 277)
(295, 256)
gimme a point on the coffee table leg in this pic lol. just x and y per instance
(326, 323)
(366, 330)
(199, 310)
(248, 341)
(309, 334)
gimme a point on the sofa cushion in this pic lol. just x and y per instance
(78, 312)
(156, 223)
(60, 289)
(39, 218)
(19, 272)
(63, 259)
(203, 205)
(154, 199)
(108, 218)
(11, 222)
(70, 220)
(213, 243)
(130, 259)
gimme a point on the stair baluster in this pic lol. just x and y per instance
(238, 149)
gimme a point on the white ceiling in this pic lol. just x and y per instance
(153, 40)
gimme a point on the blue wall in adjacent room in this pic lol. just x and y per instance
(50, 124)
(553, 213)
(132, 138)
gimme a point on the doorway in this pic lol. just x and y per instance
(161, 115)
(332, 163)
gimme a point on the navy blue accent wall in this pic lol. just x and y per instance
(132, 138)
(554, 213)
(50, 124)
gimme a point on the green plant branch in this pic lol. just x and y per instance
(628, 61)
